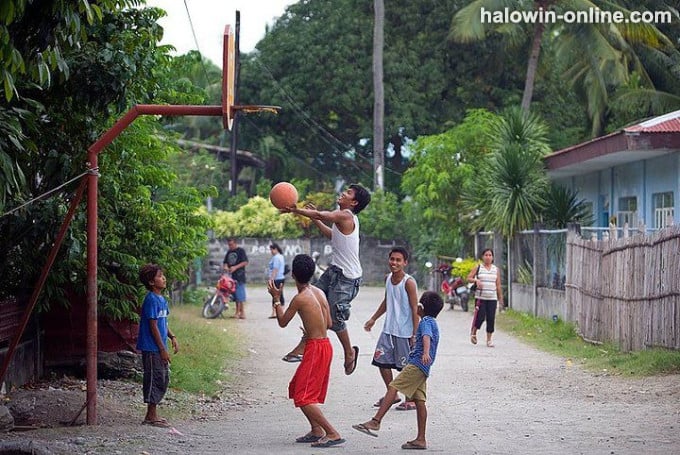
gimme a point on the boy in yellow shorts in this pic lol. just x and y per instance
(412, 381)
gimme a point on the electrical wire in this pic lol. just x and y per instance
(193, 32)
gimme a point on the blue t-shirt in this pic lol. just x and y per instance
(428, 326)
(279, 263)
(154, 307)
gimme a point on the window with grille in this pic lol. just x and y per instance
(664, 210)
(627, 211)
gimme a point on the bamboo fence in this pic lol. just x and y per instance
(625, 290)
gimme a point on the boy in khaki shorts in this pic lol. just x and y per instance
(412, 381)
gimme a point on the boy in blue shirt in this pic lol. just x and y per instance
(412, 381)
(152, 341)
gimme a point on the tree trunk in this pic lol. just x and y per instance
(379, 96)
(531, 67)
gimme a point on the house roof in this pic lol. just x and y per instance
(667, 123)
(648, 139)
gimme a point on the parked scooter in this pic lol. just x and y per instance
(219, 300)
(455, 291)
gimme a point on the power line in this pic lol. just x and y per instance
(193, 32)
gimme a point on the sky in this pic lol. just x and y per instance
(209, 17)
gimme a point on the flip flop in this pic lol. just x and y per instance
(160, 423)
(409, 445)
(292, 358)
(353, 366)
(365, 430)
(308, 438)
(379, 402)
(489, 344)
(473, 339)
(321, 444)
(406, 406)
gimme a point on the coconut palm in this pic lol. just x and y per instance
(598, 57)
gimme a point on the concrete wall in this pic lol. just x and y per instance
(373, 256)
(549, 302)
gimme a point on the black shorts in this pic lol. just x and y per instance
(156, 377)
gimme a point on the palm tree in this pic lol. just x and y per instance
(509, 190)
(563, 207)
(598, 57)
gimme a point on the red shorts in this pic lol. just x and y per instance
(310, 381)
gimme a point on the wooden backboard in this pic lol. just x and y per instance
(228, 77)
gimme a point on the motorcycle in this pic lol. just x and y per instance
(455, 291)
(219, 300)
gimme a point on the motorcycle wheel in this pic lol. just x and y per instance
(213, 307)
(464, 304)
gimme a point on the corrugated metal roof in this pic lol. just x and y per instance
(667, 123)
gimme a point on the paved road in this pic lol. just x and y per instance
(511, 399)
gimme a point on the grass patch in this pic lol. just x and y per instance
(561, 338)
(208, 348)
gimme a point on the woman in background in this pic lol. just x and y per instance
(277, 264)
(488, 295)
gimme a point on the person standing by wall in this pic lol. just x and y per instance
(235, 262)
(488, 295)
(276, 270)
(400, 307)
(341, 280)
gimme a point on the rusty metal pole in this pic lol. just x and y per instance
(91, 340)
(92, 208)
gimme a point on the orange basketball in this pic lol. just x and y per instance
(283, 194)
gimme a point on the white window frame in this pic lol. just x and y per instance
(627, 216)
(664, 210)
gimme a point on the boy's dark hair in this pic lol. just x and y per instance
(432, 303)
(303, 268)
(147, 273)
(361, 195)
(400, 249)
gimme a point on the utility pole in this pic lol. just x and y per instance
(378, 96)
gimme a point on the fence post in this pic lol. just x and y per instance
(539, 260)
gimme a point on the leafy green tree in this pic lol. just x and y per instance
(145, 213)
(382, 218)
(316, 64)
(443, 166)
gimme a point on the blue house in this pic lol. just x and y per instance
(629, 176)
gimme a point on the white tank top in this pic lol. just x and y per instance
(398, 320)
(488, 279)
(346, 250)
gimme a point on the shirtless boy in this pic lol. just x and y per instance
(309, 385)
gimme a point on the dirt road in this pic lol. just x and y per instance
(511, 399)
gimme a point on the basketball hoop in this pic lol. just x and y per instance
(229, 84)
